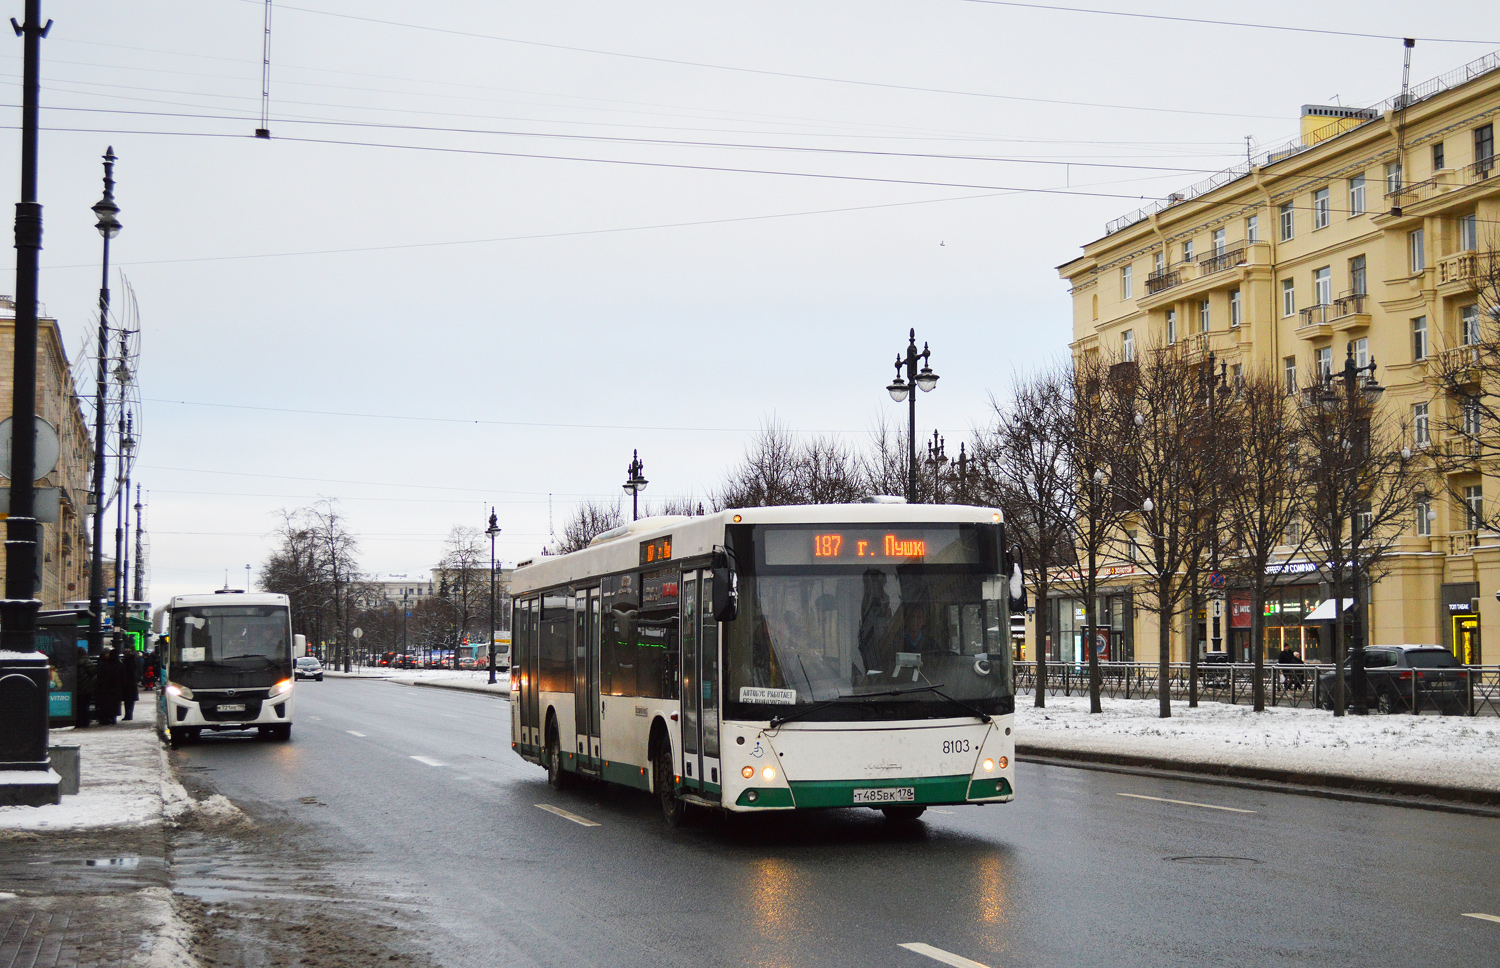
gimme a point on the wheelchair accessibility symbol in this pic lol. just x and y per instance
(757, 753)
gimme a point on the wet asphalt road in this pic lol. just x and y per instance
(1085, 868)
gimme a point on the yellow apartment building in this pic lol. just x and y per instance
(1370, 235)
(65, 541)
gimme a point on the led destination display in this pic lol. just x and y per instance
(875, 546)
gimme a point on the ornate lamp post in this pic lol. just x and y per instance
(635, 483)
(105, 210)
(492, 530)
(1371, 390)
(900, 391)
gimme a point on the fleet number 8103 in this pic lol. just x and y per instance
(956, 746)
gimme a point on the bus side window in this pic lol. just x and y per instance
(617, 663)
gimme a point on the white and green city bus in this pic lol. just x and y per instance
(778, 658)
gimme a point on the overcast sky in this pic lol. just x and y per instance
(492, 247)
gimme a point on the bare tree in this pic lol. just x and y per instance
(464, 574)
(316, 566)
(590, 519)
(767, 477)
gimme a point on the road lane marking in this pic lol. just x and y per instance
(429, 761)
(559, 811)
(1184, 803)
(1485, 917)
(938, 954)
(353, 733)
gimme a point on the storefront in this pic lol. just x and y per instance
(1284, 624)
(1114, 629)
(1461, 620)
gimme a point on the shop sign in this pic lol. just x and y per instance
(1239, 613)
(1292, 568)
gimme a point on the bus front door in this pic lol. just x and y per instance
(586, 680)
(700, 684)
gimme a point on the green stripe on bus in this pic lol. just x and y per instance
(987, 789)
(767, 797)
(626, 775)
(840, 793)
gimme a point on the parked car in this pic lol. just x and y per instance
(307, 668)
(1398, 675)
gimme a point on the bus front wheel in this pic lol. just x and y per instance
(673, 809)
(557, 777)
(904, 814)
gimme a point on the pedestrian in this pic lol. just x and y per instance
(130, 682)
(84, 697)
(108, 685)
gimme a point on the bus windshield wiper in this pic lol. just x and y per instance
(983, 717)
(855, 698)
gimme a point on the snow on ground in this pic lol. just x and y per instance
(462, 677)
(123, 779)
(1452, 751)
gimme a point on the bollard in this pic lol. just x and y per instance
(65, 762)
(28, 777)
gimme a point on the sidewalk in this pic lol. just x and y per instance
(1450, 758)
(465, 681)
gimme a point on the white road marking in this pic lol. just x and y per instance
(353, 733)
(1185, 803)
(938, 954)
(429, 761)
(1485, 917)
(559, 811)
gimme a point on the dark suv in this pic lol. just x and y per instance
(1398, 676)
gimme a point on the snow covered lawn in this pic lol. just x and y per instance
(1450, 751)
(123, 779)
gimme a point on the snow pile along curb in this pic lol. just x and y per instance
(1456, 757)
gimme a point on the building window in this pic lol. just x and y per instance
(1171, 326)
(1158, 261)
(1289, 368)
(1419, 339)
(1320, 209)
(1468, 325)
(1218, 242)
(1203, 316)
(1133, 550)
(1127, 285)
(1468, 233)
(1237, 375)
(1288, 221)
(1288, 298)
(1437, 157)
(1484, 148)
(1360, 350)
(1393, 178)
(1294, 531)
(1357, 276)
(1252, 229)
(1420, 429)
(1418, 250)
(1323, 286)
(1127, 346)
(1357, 195)
(1474, 505)
(1235, 310)
(1187, 251)
(1424, 518)
(1363, 520)
(1471, 418)
(1323, 359)
(1095, 307)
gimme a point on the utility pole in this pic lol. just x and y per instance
(140, 573)
(19, 607)
(122, 490)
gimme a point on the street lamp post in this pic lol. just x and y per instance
(900, 390)
(1371, 391)
(635, 483)
(122, 565)
(492, 530)
(937, 459)
(105, 210)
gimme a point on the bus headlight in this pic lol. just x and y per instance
(989, 766)
(173, 689)
(769, 773)
(284, 686)
(748, 772)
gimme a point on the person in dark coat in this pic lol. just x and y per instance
(130, 681)
(84, 696)
(108, 686)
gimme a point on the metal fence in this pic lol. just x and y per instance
(1285, 685)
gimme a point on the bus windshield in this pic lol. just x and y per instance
(241, 636)
(869, 640)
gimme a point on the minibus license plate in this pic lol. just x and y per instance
(232, 707)
(886, 795)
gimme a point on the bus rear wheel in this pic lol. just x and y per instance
(673, 810)
(903, 814)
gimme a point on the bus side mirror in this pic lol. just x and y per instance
(726, 603)
(1015, 582)
(299, 646)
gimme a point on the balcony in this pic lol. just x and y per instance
(1162, 280)
(1227, 259)
(1482, 170)
(1349, 312)
(1314, 321)
(1462, 542)
(1467, 270)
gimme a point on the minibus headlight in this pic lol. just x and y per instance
(173, 689)
(769, 773)
(748, 772)
(989, 766)
(284, 686)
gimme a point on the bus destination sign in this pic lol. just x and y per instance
(876, 546)
(659, 549)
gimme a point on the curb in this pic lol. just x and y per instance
(455, 686)
(1481, 803)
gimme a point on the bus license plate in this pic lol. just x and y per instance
(886, 795)
(232, 707)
